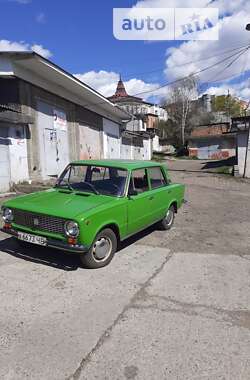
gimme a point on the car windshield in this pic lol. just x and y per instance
(94, 179)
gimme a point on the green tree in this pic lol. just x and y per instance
(228, 104)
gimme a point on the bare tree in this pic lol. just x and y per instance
(179, 104)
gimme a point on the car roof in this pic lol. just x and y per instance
(122, 164)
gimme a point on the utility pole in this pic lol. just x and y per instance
(247, 154)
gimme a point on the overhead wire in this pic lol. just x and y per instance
(238, 53)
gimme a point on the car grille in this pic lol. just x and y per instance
(39, 221)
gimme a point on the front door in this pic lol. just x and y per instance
(139, 202)
(161, 193)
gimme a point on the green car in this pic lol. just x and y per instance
(94, 205)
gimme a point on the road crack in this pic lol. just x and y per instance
(107, 333)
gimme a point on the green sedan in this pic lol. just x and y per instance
(94, 205)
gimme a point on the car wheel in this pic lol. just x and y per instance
(102, 250)
(168, 221)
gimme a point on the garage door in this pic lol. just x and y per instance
(53, 135)
(90, 145)
(4, 160)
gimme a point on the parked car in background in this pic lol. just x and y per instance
(94, 205)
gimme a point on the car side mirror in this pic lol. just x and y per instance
(132, 192)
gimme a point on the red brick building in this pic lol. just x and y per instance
(212, 142)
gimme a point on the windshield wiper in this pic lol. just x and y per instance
(63, 185)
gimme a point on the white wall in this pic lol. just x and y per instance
(147, 149)
(4, 160)
(156, 144)
(126, 152)
(18, 154)
(242, 144)
(111, 139)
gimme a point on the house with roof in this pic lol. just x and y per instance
(146, 115)
(49, 118)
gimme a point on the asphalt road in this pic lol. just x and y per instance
(171, 305)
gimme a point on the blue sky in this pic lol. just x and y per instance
(79, 36)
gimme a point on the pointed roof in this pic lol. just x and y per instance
(120, 89)
(121, 93)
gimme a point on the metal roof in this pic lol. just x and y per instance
(43, 73)
(122, 164)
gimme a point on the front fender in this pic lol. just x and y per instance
(93, 224)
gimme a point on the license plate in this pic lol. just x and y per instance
(32, 238)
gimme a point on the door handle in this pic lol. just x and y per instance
(151, 198)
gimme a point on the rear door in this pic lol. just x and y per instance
(161, 193)
(139, 210)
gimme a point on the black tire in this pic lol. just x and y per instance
(105, 241)
(168, 221)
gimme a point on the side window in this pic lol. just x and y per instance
(139, 181)
(156, 177)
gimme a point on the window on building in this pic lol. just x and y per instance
(139, 181)
(156, 177)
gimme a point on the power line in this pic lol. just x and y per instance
(214, 78)
(183, 78)
(191, 74)
(187, 63)
(230, 64)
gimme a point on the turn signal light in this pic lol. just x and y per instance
(7, 226)
(72, 240)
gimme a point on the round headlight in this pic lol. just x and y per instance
(71, 228)
(8, 215)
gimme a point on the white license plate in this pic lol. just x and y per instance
(32, 238)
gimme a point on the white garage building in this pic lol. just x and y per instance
(48, 118)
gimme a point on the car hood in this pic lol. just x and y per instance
(59, 203)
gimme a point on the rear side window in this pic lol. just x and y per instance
(139, 181)
(156, 177)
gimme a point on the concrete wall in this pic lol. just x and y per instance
(87, 135)
(13, 155)
(111, 139)
(242, 143)
(30, 98)
(213, 147)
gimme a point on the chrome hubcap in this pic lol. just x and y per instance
(102, 249)
(169, 217)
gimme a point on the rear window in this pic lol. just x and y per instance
(156, 177)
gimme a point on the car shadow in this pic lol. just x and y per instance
(135, 238)
(39, 255)
(56, 258)
(220, 163)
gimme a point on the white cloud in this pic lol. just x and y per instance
(241, 89)
(105, 82)
(6, 45)
(225, 7)
(21, 1)
(39, 49)
(193, 56)
(193, 53)
(41, 18)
